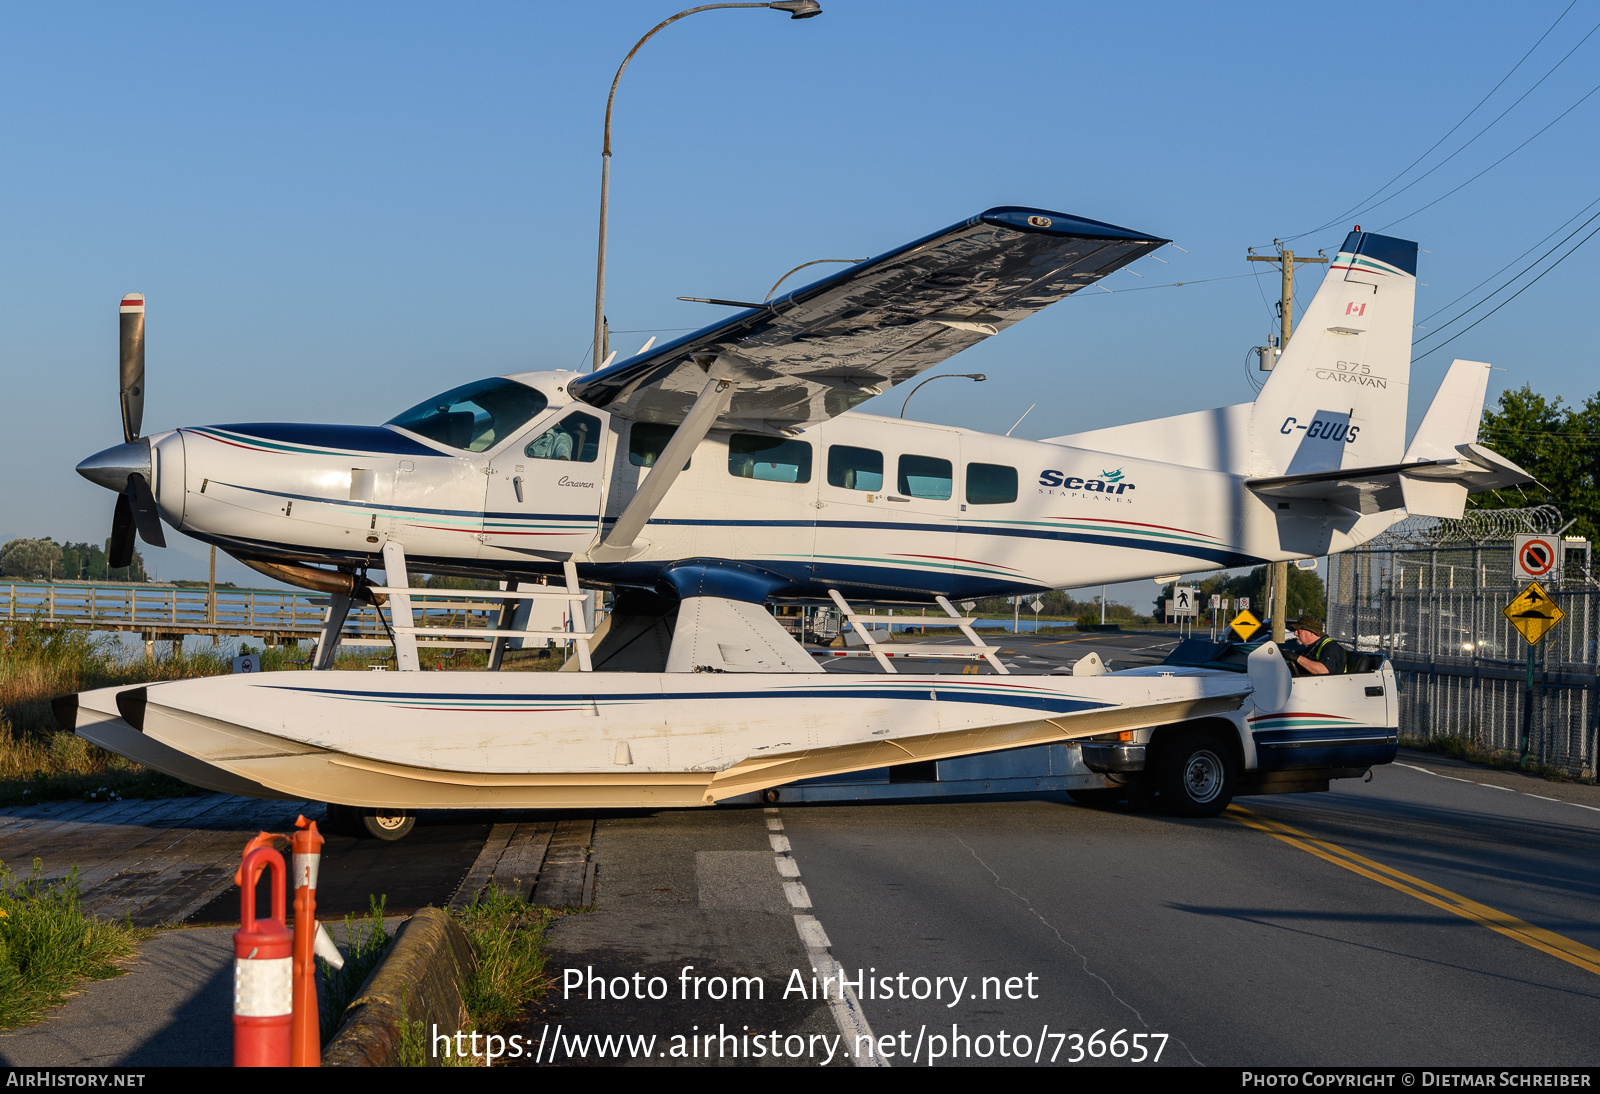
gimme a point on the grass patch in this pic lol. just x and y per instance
(366, 941)
(507, 939)
(507, 936)
(1469, 750)
(48, 946)
(39, 762)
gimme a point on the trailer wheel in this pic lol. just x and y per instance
(1196, 775)
(387, 824)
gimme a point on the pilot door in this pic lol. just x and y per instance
(544, 491)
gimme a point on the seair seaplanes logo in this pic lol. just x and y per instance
(1109, 486)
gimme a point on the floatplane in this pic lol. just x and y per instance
(707, 478)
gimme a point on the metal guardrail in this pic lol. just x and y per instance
(170, 612)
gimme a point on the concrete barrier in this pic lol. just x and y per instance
(421, 978)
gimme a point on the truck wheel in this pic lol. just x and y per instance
(1196, 775)
(387, 824)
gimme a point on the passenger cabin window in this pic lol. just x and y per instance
(991, 484)
(646, 442)
(925, 477)
(475, 416)
(576, 437)
(854, 468)
(771, 459)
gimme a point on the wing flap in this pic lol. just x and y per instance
(827, 347)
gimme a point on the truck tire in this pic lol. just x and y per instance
(387, 824)
(1196, 775)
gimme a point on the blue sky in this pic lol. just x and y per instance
(336, 210)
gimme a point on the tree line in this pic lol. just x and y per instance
(1559, 445)
(47, 560)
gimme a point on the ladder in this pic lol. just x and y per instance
(406, 630)
(861, 625)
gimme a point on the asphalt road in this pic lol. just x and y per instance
(1240, 946)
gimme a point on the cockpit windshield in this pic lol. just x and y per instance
(475, 416)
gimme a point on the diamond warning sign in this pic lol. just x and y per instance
(1244, 625)
(1533, 613)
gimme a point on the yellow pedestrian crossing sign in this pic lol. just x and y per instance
(1244, 625)
(1533, 612)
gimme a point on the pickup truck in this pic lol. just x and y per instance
(1294, 733)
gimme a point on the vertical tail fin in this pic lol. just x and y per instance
(1454, 415)
(1338, 395)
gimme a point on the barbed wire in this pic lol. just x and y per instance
(1476, 527)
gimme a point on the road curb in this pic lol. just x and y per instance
(421, 978)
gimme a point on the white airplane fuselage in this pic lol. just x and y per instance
(947, 510)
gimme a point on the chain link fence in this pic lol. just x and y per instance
(1428, 593)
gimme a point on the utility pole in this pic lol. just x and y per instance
(1285, 261)
(211, 596)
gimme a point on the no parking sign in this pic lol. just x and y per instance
(1536, 558)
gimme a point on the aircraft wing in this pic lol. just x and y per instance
(820, 350)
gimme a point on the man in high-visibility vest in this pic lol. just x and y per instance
(1322, 656)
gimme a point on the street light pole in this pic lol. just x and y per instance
(978, 376)
(797, 9)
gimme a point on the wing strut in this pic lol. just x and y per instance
(708, 406)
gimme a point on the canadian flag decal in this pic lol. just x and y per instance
(1355, 309)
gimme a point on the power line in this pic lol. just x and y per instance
(1169, 285)
(1360, 204)
(1488, 127)
(1508, 282)
(1499, 161)
(1508, 265)
(1518, 293)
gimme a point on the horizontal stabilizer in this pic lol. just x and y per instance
(1430, 488)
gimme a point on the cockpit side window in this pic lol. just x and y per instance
(475, 416)
(575, 438)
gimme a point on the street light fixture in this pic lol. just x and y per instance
(978, 376)
(797, 9)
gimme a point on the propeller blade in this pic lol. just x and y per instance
(132, 366)
(121, 551)
(145, 517)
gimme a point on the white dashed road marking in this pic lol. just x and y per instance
(846, 1008)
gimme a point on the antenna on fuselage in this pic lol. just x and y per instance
(1018, 422)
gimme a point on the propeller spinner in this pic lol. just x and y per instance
(126, 467)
